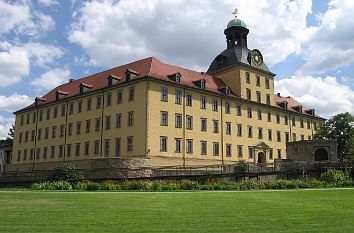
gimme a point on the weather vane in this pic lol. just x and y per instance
(235, 12)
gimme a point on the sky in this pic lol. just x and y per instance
(309, 45)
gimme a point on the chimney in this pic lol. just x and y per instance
(71, 80)
(278, 94)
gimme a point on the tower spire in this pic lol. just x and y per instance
(235, 12)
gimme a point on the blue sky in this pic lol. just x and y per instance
(43, 43)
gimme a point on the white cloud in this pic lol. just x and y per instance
(14, 64)
(48, 2)
(20, 18)
(325, 95)
(332, 46)
(14, 102)
(115, 32)
(52, 79)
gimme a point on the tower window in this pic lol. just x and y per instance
(248, 77)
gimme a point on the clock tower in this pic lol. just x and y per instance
(243, 69)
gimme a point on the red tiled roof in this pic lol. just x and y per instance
(148, 67)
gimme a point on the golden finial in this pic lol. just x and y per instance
(235, 12)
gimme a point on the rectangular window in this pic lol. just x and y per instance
(31, 154)
(164, 118)
(259, 113)
(260, 133)
(250, 131)
(88, 126)
(164, 94)
(62, 130)
(293, 121)
(38, 153)
(130, 143)
(87, 148)
(41, 115)
(239, 151)
(294, 137)
(177, 145)
(278, 136)
(270, 135)
(77, 149)
(45, 152)
(215, 148)
(108, 122)
(61, 151)
(302, 137)
(227, 108)
(277, 118)
(98, 102)
(19, 155)
(71, 108)
(130, 118)
(119, 97)
(248, 77)
(33, 135)
(301, 123)
(269, 117)
(267, 83)
(250, 152)
(26, 136)
(55, 114)
(239, 110)
(249, 112)
(259, 97)
(178, 120)
(70, 129)
(286, 120)
(268, 99)
(189, 122)
(189, 145)
(89, 104)
(54, 132)
(28, 118)
(203, 147)
(63, 108)
(215, 126)
(39, 136)
(78, 127)
(248, 94)
(68, 152)
(97, 124)
(203, 102)
(106, 147)
(20, 138)
(97, 147)
(131, 93)
(48, 113)
(79, 106)
(109, 99)
(163, 143)
(308, 124)
(215, 105)
(279, 154)
(203, 124)
(178, 97)
(22, 119)
(228, 150)
(119, 120)
(258, 81)
(239, 130)
(118, 147)
(228, 128)
(287, 139)
(189, 99)
(270, 154)
(52, 152)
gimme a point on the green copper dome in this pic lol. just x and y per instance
(236, 23)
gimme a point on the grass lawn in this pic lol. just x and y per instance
(258, 211)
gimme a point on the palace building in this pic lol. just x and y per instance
(165, 114)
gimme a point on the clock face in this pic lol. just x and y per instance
(257, 57)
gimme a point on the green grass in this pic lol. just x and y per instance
(258, 211)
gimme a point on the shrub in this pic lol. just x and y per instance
(110, 185)
(190, 185)
(40, 186)
(66, 172)
(60, 185)
(334, 177)
(248, 184)
(170, 185)
(136, 185)
(92, 186)
(82, 185)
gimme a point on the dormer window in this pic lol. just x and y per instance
(200, 83)
(130, 74)
(40, 101)
(311, 112)
(283, 104)
(113, 80)
(298, 108)
(61, 94)
(225, 90)
(85, 88)
(176, 77)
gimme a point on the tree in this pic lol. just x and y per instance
(10, 134)
(341, 128)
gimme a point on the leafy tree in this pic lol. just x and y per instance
(10, 134)
(341, 128)
(67, 172)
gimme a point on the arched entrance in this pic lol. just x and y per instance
(262, 158)
(321, 154)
